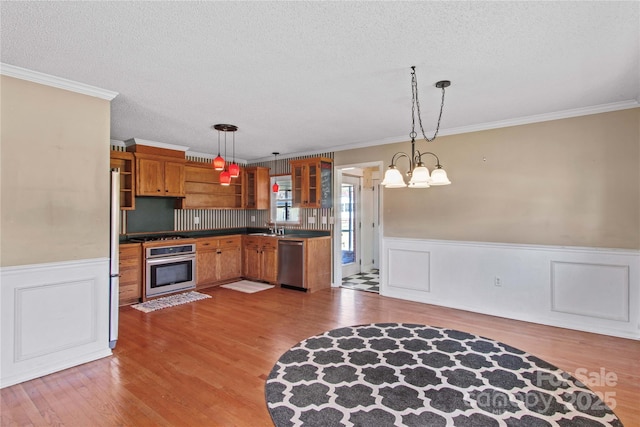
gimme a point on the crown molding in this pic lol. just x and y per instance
(138, 141)
(557, 115)
(57, 82)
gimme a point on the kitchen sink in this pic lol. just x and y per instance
(263, 234)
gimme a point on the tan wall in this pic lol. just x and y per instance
(572, 182)
(54, 179)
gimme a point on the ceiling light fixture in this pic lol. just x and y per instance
(418, 173)
(219, 162)
(275, 188)
(234, 168)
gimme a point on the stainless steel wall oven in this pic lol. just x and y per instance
(170, 268)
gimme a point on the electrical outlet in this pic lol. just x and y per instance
(312, 220)
(253, 218)
(497, 281)
(323, 219)
(331, 220)
(196, 220)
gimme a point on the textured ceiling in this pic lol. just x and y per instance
(300, 77)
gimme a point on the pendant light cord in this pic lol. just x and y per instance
(416, 106)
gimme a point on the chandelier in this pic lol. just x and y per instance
(233, 169)
(418, 172)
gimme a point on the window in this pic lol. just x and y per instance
(282, 210)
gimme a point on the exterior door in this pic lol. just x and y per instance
(350, 225)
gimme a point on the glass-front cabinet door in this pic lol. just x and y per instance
(296, 183)
(312, 182)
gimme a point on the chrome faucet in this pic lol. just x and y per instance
(272, 227)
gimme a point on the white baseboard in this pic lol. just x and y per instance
(588, 289)
(54, 316)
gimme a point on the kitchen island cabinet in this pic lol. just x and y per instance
(218, 260)
(260, 258)
(130, 273)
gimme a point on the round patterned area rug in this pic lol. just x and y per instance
(390, 374)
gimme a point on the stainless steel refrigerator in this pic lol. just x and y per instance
(114, 269)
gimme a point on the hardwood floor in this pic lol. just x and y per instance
(205, 363)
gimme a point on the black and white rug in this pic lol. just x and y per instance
(414, 375)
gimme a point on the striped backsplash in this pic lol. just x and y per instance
(217, 219)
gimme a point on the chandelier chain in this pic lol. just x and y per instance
(416, 106)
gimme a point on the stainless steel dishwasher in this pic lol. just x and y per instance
(291, 264)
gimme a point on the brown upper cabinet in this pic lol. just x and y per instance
(159, 171)
(126, 164)
(311, 181)
(255, 188)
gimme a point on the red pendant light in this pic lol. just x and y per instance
(219, 163)
(225, 178)
(275, 187)
(234, 169)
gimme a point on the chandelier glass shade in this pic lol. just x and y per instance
(418, 173)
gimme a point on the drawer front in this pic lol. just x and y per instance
(230, 241)
(270, 243)
(206, 244)
(127, 263)
(252, 241)
(130, 250)
(130, 292)
(130, 276)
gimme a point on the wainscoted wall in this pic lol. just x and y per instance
(55, 316)
(589, 289)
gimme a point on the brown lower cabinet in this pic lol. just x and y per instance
(317, 263)
(224, 259)
(218, 260)
(260, 258)
(130, 273)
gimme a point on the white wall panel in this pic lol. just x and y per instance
(402, 271)
(593, 290)
(53, 316)
(590, 289)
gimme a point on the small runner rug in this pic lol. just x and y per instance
(170, 301)
(391, 374)
(247, 286)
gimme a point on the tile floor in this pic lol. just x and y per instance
(369, 281)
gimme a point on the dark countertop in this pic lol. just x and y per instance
(291, 233)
